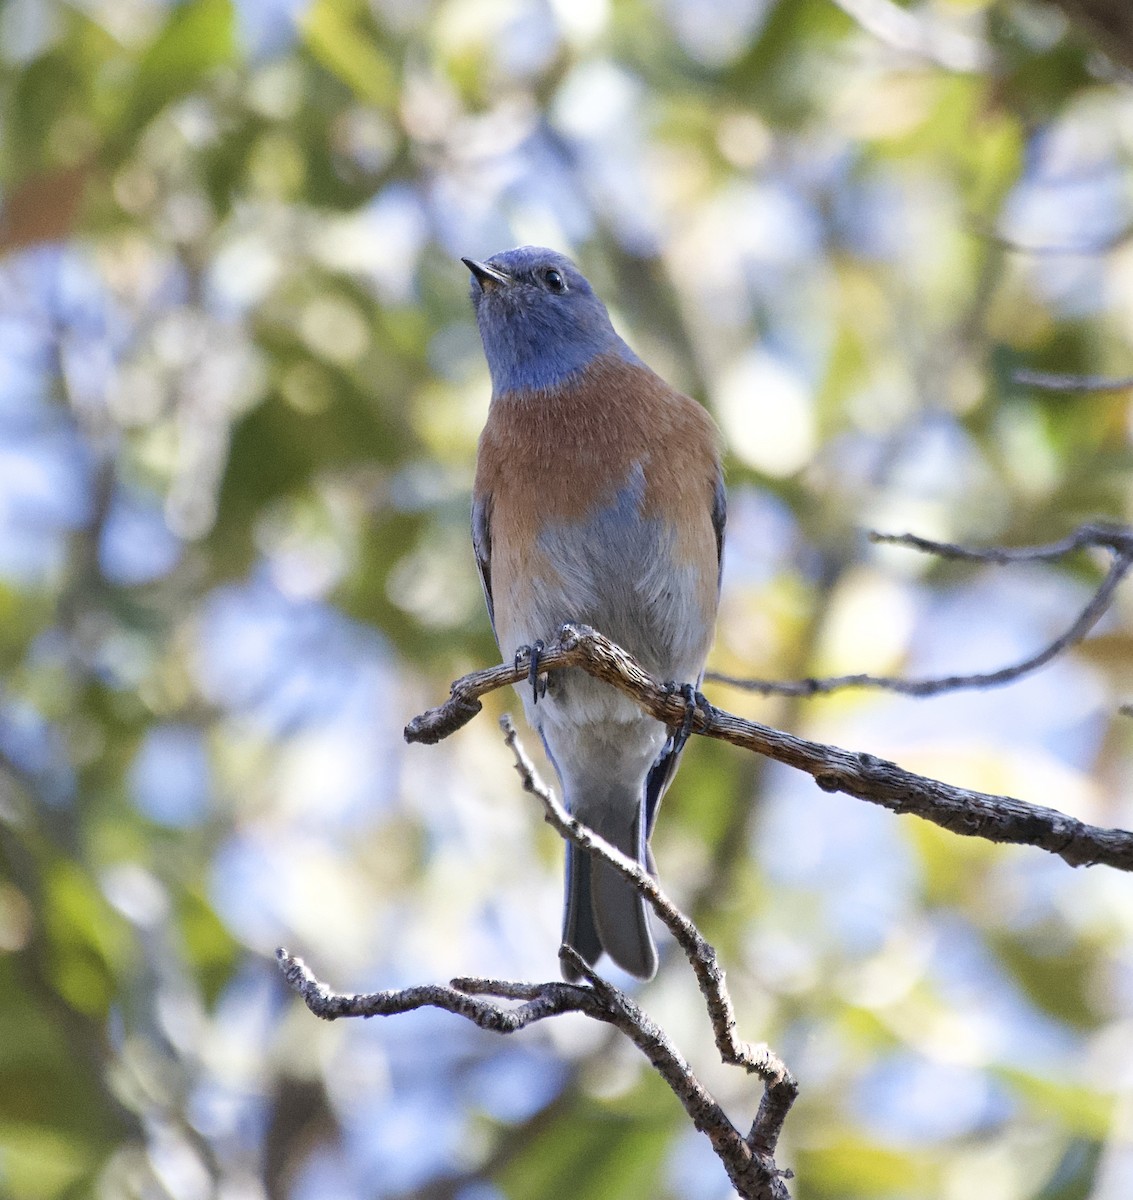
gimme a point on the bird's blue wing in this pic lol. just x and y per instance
(482, 546)
(662, 772)
(719, 520)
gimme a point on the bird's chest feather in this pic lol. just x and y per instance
(614, 568)
(601, 514)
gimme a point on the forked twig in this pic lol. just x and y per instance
(1118, 541)
(748, 1160)
(781, 1087)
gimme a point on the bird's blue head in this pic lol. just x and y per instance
(539, 319)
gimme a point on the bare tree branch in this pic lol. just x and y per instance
(752, 1171)
(460, 997)
(1118, 541)
(748, 1160)
(961, 810)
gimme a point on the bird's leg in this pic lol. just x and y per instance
(532, 653)
(694, 700)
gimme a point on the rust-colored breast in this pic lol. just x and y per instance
(552, 458)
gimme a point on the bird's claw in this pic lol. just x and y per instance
(694, 700)
(532, 654)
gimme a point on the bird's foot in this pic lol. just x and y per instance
(532, 654)
(694, 699)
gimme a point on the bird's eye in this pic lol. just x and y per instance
(554, 281)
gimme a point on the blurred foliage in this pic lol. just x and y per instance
(240, 389)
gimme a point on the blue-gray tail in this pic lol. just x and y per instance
(605, 912)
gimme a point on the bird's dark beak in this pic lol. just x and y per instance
(486, 275)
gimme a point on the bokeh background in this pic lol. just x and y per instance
(240, 390)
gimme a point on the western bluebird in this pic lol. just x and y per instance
(598, 499)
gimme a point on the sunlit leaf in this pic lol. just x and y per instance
(852, 1167)
(38, 1162)
(602, 1156)
(89, 939)
(1080, 1110)
(1074, 1177)
(198, 37)
(339, 40)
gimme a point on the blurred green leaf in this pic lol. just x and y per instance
(1055, 973)
(602, 1154)
(211, 949)
(48, 1082)
(339, 39)
(775, 71)
(38, 1162)
(1075, 1175)
(198, 37)
(953, 870)
(1079, 1110)
(850, 1167)
(89, 939)
(42, 94)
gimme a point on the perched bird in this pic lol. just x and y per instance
(598, 499)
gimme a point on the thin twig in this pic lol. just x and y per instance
(759, 1060)
(1118, 541)
(961, 810)
(1053, 382)
(543, 1000)
(1116, 538)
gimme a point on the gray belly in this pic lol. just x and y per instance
(617, 572)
